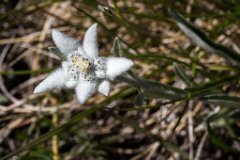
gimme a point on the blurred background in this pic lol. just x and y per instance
(125, 129)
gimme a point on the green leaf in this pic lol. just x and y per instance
(69, 123)
(139, 100)
(229, 127)
(213, 84)
(216, 139)
(42, 138)
(57, 52)
(220, 120)
(159, 90)
(181, 74)
(202, 40)
(104, 26)
(117, 48)
(222, 100)
(24, 72)
(155, 89)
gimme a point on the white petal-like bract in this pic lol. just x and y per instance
(54, 80)
(71, 84)
(100, 73)
(117, 65)
(104, 87)
(64, 43)
(65, 66)
(82, 68)
(81, 51)
(90, 44)
(85, 89)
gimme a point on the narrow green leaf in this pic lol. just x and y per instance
(229, 127)
(224, 119)
(117, 48)
(181, 74)
(213, 84)
(155, 89)
(69, 123)
(222, 100)
(53, 132)
(157, 57)
(159, 90)
(139, 100)
(57, 52)
(216, 139)
(111, 32)
(202, 40)
(24, 72)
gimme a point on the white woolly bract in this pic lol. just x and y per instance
(90, 44)
(100, 74)
(100, 71)
(104, 87)
(81, 51)
(64, 43)
(65, 65)
(116, 66)
(85, 89)
(71, 83)
(54, 80)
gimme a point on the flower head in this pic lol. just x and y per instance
(82, 67)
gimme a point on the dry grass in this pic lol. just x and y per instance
(121, 130)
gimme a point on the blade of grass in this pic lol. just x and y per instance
(28, 9)
(53, 132)
(121, 19)
(104, 27)
(216, 139)
(222, 100)
(202, 40)
(117, 48)
(181, 74)
(157, 57)
(68, 124)
(24, 72)
(155, 89)
(213, 84)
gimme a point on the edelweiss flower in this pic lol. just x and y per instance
(82, 68)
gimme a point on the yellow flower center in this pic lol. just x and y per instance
(83, 64)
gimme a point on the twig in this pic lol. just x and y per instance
(190, 129)
(17, 104)
(2, 86)
(55, 137)
(153, 150)
(4, 132)
(200, 146)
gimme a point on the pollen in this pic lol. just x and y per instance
(83, 64)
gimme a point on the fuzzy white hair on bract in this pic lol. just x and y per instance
(84, 90)
(90, 44)
(117, 65)
(104, 87)
(54, 80)
(64, 43)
